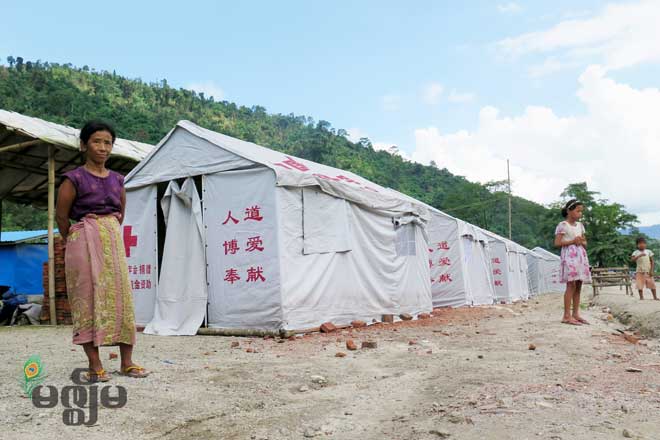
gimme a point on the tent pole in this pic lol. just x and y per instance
(0, 219)
(51, 235)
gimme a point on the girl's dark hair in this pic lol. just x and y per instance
(92, 127)
(570, 206)
(640, 240)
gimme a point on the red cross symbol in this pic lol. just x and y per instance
(129, 240)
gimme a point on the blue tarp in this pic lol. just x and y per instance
(21, 267)
(11, 236)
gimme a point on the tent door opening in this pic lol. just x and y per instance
(182, 293)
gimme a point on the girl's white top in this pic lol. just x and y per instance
(570, 232)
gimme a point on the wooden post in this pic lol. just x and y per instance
(508, 179)
(51, 235)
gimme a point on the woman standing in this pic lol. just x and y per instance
(97, 280)
(575, 270)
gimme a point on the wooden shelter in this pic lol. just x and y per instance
(33, 155)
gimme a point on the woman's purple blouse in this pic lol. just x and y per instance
(95, 195)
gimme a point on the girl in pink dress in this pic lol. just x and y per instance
(570, 237)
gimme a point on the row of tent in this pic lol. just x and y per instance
(232, 235)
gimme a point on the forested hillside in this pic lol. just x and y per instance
(146, 111)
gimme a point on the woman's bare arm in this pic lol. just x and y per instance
(65, 198)
(123, 205)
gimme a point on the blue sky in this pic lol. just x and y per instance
(431, 77)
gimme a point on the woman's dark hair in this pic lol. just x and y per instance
(640, 240)
(92, 127)
(570, 206)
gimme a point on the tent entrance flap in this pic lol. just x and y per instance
(182, 293)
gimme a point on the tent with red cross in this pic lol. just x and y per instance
(233, 235)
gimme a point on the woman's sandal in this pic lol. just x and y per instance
(94, 376)
(135, 371)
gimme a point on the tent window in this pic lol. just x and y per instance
(326, 225)
(405, 240)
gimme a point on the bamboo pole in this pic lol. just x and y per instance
(19, 145)
(243, 332)
(260, 333)
(51, 235)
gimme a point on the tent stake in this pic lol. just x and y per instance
(51, 236)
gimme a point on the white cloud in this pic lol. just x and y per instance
(390, 103)
(509, 8)
(208, 88)
(355, 134)
(461, 98)
(432, 93)
(613, 146)
(390, 148)
(618, 36)
(550, 65)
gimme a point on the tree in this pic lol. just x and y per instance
(11, 60)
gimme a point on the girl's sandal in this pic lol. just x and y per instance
(570, 322)
(135, 371)
(583, 321)
(94, 376)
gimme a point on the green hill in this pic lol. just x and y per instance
(147, 111)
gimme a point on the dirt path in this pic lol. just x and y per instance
(642, 315)
(467, 375)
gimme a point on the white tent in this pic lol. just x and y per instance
(459, 261)
(544, 270)
(284, 243)
(509, 263)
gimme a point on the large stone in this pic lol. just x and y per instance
(406, 316)
(369, 344)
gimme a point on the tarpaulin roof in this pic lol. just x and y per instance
(546, 254)
(510, 245)
(24, 155)
(197, 158)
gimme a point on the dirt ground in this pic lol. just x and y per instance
(642, 315)
(463, 374)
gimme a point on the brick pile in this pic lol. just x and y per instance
(62, 306)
